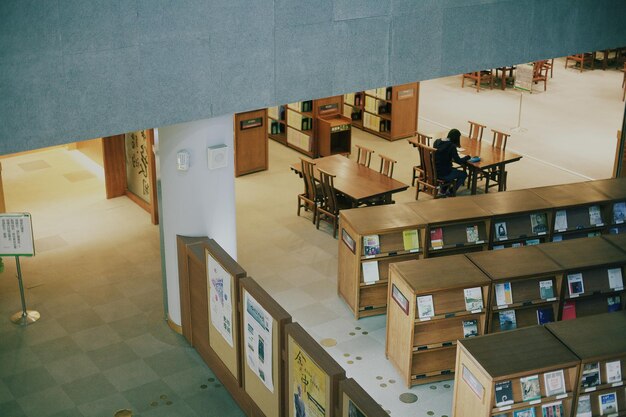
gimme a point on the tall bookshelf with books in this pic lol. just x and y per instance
(526, 287)
(593, 276)
(520, 218)
(388, 112)
(371, 238)
(579, 210)
(600, 344)
(432, 303)
(523, 373)
(614, 188)
(455, 225)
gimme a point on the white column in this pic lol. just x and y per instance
(199, 201)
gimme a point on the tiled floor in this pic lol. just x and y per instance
(102, 345)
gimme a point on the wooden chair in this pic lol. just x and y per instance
(504, 77)
(540, 73)
(580, 59)
(549, 66)
(475, 130)
(363, 155)
(479, 77)
(423, 139)
(311, 196)
(427, 181)
(499, 141)
(331, 203)
(386, 166)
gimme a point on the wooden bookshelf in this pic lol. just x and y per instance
(422, 346)
(388, 112)
(389, 223)
(592, 261)
(453, 216)
(615, 189)
(524, 217)
(251, 147)
(335, 135)
(596, 340)
(575, 201)
(486, 362)
(523, 268)
(296, 124)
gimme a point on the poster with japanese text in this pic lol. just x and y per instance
(220, 302)
(309, 384)
(16, 235)
(257, 324)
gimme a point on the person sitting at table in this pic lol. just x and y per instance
(446, 152)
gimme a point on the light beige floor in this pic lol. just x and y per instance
(107, 277)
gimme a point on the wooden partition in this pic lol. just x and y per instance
(355, 402)
(313, 376)
(263, 337)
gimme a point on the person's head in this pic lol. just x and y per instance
(455, 137)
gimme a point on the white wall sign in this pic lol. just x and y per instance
(16, 235)
(257, 324)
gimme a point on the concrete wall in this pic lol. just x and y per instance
(78, 69)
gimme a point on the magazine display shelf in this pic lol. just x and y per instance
(515, 365)
(597, 340)
(522, 302)
(615, 212)
(421, 337)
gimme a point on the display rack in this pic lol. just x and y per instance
(388, 112)
(597, 340)
(595, 269)
(518, 299)
(505, 374)
(388, 224)
(354, 401)
(431, 304)
(615, 211)
(251, 147)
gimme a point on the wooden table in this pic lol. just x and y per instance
(357, 182)
(489, 158)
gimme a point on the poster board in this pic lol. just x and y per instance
(354, 401)
(223, 275)
(524, 77)
(312, 376)
(268, 394)
(16, 235)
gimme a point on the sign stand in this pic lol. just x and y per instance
(519, 128)
(24, 317)
(523, 82)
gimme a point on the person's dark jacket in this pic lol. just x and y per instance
(445, 154)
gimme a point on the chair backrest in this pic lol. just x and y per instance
(427, 156)
(329, 196)
(499, 139)
(386, 165)
(363, 155)
(308, 175)
(539, 67)
(423, 139)
(476, 130)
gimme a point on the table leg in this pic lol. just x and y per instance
(474, 180)
(501, 178)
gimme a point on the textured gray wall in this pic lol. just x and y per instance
(77, 69)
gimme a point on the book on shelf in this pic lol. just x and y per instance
(557, 238)
(531, 390)
(539, 223)
(425, 306)
(552, 410)
(569, 310)
(498, 247)
(473, 298)
(526, 412)
(594, 233)
(371, 244)
(504, 296)
(507, 320)
(614, 231)
(608, 403)
(546, 289)
(470, 328)
(619, 212)
(584, 406)
(613, 371)
(531, 242)
(614, 303)
(545, 315)
(410, 239)
(560, 220)
(615, 278)
(595, 216)
(370, 272)
(591, 374)
(472, 233)
(575, 284)
(554, 382)
(501, 233)
(504, 393)
(517, 245)
(436, 238)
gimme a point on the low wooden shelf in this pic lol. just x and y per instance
(423, 349)
(484, 362)
(335, 134)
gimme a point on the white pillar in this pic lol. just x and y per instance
(199, 201)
